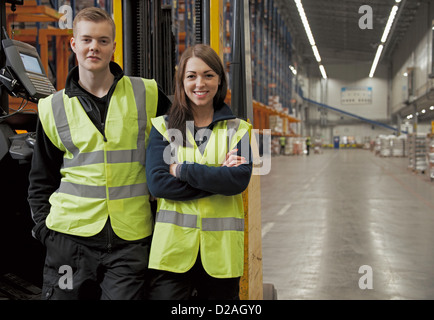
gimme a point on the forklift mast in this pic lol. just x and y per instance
(4, 108)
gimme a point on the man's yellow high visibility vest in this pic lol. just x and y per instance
(102, 176)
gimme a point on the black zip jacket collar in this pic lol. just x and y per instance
(73, 89)
(221, 114)
(224, 113)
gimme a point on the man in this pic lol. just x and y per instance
(88, 193)
(308, 143)
(282, 141)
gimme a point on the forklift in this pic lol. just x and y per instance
(23, 77)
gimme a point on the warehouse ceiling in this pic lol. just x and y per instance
(335, 27)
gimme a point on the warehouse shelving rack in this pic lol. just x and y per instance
(272, 80)
(430, 155)
(271, 54)
(417, 152)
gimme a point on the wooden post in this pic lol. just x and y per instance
(251, 284)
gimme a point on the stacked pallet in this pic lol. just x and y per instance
(398, 146)
(417, 152)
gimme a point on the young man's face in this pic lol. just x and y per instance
(93, 45)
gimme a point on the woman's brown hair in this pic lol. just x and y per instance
(180, 111)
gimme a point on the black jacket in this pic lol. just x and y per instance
(195, 180)
(47, 159)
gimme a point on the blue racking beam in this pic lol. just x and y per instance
(352, 115)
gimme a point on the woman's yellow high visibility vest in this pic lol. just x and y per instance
(101, 176)
(214, 225)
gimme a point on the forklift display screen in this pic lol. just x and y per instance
(31, 63)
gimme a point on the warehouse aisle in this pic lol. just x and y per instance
(326, 215)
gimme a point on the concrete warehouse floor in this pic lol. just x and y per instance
(347, 224)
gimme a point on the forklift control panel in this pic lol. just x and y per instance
(24, 75)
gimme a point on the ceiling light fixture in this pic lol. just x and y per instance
(376, 59)
(384, 38)
(323, 72)
(310, 36)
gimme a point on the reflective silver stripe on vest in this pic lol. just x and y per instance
(62, 124)
(176, 218)
(129, 191)
(139, 90)
(208, 224)
(122, 156)
(83, 159)
(99, 192)
(222, 224)
(81, 190)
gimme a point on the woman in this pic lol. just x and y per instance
(198, 164)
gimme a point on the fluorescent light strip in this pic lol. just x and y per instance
(384, 38)
(310, 36)
(316, 53)
(323, 72)
(376, 59)
(305, 22)
(389, 23)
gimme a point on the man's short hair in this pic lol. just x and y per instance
(93, 14)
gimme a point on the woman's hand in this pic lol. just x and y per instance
(233, 160)
(173, 169)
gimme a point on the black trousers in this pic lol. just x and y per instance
(194, 284)
(116, 274)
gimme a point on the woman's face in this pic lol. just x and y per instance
(200, 83)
